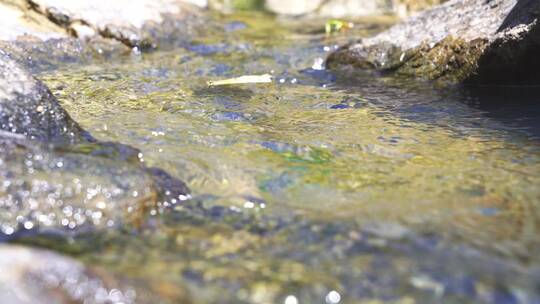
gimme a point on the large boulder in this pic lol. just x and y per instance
(495, 41)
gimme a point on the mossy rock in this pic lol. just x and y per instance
(451, 60)
(459, 41)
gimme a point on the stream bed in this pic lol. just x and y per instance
(320, 187)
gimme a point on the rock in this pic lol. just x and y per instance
(135, 24)
(39, 276)
(493, 41)
(17, 21)
(37, 55)
(170, 188)
(404, 8)
(71, 188)
(77, 188)
(121, 20)
(27, 107)
(55, 176)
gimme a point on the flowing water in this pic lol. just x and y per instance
(320, 187)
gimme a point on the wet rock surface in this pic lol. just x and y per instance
(36, 55)
(55, 176)
(27, 107)
(69, 188)
(480, 41)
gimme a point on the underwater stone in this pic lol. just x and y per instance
(476, 41)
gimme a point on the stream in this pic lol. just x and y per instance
(320, 187)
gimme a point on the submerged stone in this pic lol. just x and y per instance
(479, 41)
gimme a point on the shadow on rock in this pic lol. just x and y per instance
(513, 56)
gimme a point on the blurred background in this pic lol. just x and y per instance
(326, 8)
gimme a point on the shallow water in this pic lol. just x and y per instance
(319, 186)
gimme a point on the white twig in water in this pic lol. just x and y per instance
(265, 78)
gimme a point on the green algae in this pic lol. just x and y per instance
(451, 60)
